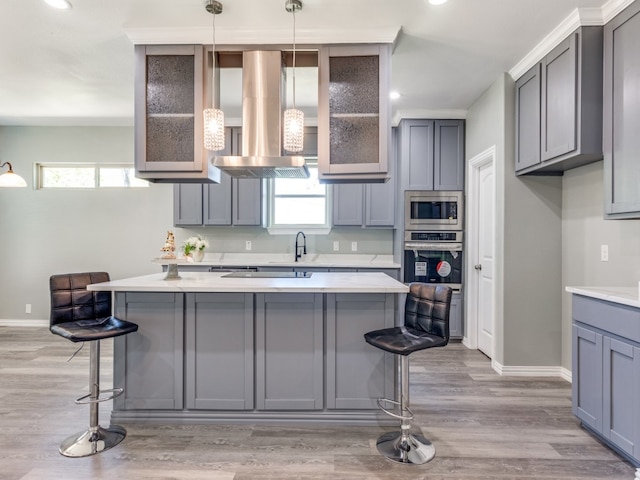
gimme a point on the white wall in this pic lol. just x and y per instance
(55, 231)
(528, 239)
(584, 230)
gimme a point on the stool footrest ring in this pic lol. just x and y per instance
(87, 398)
(393, 414)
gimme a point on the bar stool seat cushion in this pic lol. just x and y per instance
(93, 329)
(403, 340)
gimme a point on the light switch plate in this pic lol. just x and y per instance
(604, 253)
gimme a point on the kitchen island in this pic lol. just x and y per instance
(212, 348)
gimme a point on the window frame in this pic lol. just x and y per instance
(39, 168)
(286, 229)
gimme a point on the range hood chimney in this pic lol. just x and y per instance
(261, 120)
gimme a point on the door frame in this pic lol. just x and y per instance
(470, 339)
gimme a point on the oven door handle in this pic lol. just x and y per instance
(456, 247)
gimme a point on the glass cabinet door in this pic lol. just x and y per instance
(353, 111)
(168, 109)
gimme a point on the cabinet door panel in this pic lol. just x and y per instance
(150, 359)
(353, 110)
(448, 168)
(219, 355)
(455, 316)
(217, 202)
(168, 96)
(347, 204)
(187, 204)
(416, 154)
(622, 114)
(620, 381)
(587, 376)
(357, 373)
(247, 201)
(289, 351)
(528, 119)
(559, 98)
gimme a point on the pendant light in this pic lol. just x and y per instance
(10, 179)
(293, 118)
(213, 117)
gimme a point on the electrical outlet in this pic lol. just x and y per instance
(27, 308)
(247, 245)
(354, 246)
(336, 246)
(604, 253)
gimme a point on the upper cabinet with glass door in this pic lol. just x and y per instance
(353, 113)
(168, 114)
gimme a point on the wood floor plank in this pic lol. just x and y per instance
(484, 427)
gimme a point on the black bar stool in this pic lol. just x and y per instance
(83, 316)
(426, 325)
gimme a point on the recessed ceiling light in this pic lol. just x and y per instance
(61, 4)
(437, 2)
(394, 95)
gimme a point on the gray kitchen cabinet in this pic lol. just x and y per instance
(354, 126)
(622, 114)
(431, 154)
(606, 372)
(357, 374)
(365, 205)
(587, 376)
(559, 107)
(169, 82)
(234, 201)
(289, 351)
(348, 203)
(151, 358)
(455, 316)
(219, 351)
(528, 118)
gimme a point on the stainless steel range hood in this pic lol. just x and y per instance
(262, 107)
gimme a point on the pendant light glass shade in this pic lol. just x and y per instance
(214, 129)
(213, 117)
(293, 124)
(293, 130)
(10, 179)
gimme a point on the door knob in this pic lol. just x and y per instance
(478, 266)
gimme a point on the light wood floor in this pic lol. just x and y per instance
(484, 427)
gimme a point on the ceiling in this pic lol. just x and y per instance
(75, 67)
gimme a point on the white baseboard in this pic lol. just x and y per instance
(531, 371)
(7, 322)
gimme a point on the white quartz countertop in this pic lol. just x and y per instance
(319, 282)
(622, 295)
(322, 260)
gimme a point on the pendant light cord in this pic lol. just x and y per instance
(294, 58)
(213, 62)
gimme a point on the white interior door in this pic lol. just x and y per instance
(485, 248)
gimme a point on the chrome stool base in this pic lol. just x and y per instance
(92, 441)
(413, 449)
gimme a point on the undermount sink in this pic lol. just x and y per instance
(268, 275)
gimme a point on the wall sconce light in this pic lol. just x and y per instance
(293, 120)
(213, 117)
(11, 179)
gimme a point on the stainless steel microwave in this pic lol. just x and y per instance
(433, 210)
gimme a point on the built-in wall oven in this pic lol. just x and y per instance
(433, 210)
(433, 257)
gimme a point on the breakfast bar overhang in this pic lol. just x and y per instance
(211, 348)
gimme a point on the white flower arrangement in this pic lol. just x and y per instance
(192, 244)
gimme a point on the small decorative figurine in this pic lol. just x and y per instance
(169, 246)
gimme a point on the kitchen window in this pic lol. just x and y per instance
(87, 175)
(296, 203)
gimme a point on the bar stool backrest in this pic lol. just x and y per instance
(427, 308)
(72, 302)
